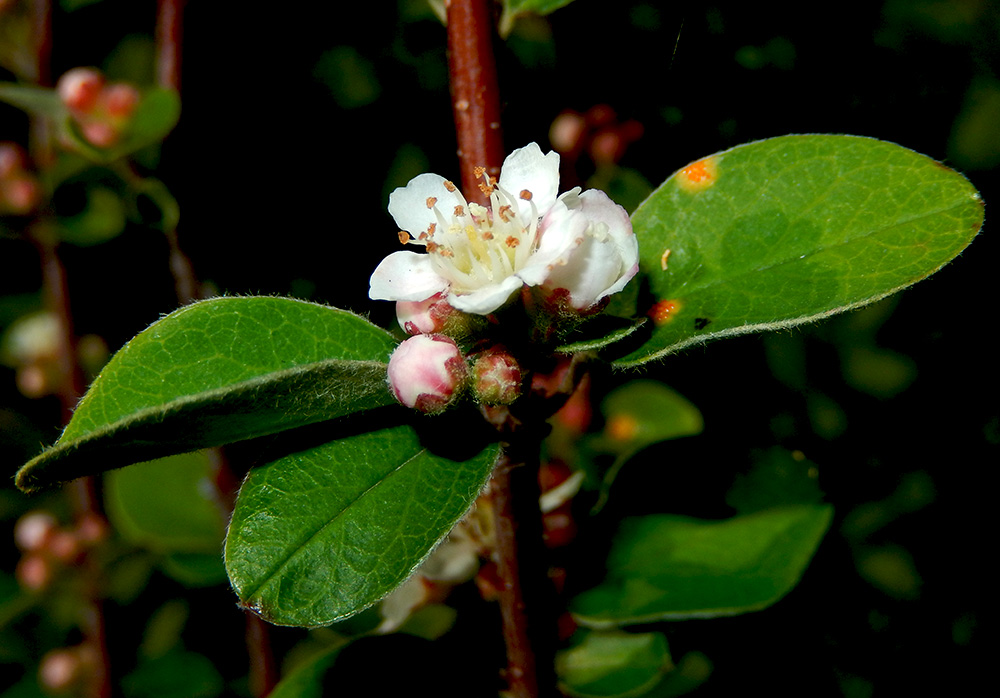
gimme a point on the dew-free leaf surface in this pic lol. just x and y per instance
(667, 567)
(325, 532)
(791, 229)
(215, 372)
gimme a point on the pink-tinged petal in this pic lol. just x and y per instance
(487, 299)
(409, 207)
(597, 207)
(527, 169)
(405, 276)
(562, 231)
(605, 261)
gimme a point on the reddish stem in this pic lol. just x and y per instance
(475, 95)
(169, 23)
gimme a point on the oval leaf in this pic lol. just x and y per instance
(668, 567)
(215, 372)
(791, 229)
(323, 533)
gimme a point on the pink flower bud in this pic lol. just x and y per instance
(496, 377)
(427, 372)
(424, 317)
(120, 100)
(33, 530)
(80, 88)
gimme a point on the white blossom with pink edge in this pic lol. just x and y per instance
(480, 257)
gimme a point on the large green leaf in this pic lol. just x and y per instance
(669, 567)
(324, 532)
(215, 372)
(791, 229)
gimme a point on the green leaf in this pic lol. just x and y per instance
(215, 372)
(170, 506)
(644, 412)
(613, 664)
(640, 414)
(323, 533)
(512, 9)
(792, 229)
(667, 567)
(39, 101)
(167, 504)
(306, 680)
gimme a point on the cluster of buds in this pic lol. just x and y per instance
(429, 372)
(596, 132)
(20, 190)
(101, 110)
(47, 547)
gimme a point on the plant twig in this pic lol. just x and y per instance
(475, 95)
(514, 486)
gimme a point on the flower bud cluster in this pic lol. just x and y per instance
(20, 191)
(47, 547)
(101, 110)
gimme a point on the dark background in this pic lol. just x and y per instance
(282, 166)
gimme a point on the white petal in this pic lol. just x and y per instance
(603, 264)
(405, 276)
(528, 169)
(408, 205)
(485, 300)
(562, 230)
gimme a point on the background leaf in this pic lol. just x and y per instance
(667, 567)
(325, 532)
(170, 507)
(219, 371)
(791, 229)
(606, 664)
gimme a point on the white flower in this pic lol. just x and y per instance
(480, 257)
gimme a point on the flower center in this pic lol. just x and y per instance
(473, 246)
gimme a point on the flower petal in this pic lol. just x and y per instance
(528, 169)
(485, 300)
(606, 260)
(405, 276)
(408, 205)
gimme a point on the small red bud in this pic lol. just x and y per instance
(34, 572)
(120, 100)
(80, 88)
(99, 133)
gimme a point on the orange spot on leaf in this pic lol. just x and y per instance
(664, 311)
(698, 176)
(622, 427)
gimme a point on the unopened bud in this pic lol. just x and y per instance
(427, 372)
(424, 317)
(80, 88)
(120, 100)
(34, 572)
(33, 530)
(496, 377)
(99, 133)
(60, 670)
